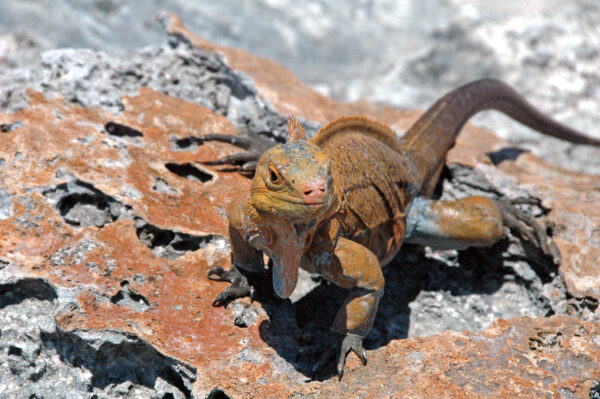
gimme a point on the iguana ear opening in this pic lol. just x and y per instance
(295, 130)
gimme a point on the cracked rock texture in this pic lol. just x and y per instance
(111, 215)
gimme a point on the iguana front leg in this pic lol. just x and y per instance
(245, 258)
(354, 267)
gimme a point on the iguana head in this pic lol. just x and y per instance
(294, 180)
(293, 191)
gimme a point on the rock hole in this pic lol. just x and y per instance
(9, 127)
(245, 316)
(545, 341)
(81, 204)
(217, 394)
(85, 209)
(14, 351)
(170, 244)
(189, 143)
(126, 297)
(189, 171)
(504, 154)
(116, 129)
(154, 237)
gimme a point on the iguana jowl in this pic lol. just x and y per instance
(342, 203)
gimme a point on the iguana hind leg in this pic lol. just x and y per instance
(472, 222)
(254, 144)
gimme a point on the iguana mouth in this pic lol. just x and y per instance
(290, 200)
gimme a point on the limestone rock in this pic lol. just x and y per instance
(111, 215)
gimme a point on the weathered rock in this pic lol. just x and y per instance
(110, 219)
(406, 54)
(280, 87)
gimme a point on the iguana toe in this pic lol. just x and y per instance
(239, 285)
(329, 347)
(353, 343)
(254, 144)
(528, 228)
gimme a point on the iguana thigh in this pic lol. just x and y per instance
(468, 222)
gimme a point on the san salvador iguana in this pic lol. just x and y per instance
(342, 203)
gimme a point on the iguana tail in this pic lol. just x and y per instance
(433, 134)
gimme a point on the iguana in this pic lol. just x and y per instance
(342, 203)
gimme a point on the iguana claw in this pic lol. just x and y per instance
(527, 227)
(253, 143)
(239, 285)
(353, 343)
(329, 350)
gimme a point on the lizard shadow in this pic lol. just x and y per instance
(438, 295)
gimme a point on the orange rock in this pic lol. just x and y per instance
(131, 189)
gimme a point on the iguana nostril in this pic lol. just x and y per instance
(314, 192)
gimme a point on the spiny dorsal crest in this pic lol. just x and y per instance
(295, 131)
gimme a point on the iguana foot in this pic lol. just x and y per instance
(352, 343)
(328, 348)
(239, 285)
(253, 143)
(527, 227)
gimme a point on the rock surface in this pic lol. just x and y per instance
(406, 54)
(110, 218)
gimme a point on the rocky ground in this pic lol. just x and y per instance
(402, 54)
(110, 219)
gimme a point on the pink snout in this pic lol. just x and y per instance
(314, 192)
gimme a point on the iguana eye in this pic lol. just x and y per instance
(274, 176)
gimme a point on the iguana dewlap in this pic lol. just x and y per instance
(342, 203)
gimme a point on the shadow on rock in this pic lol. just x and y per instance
(16, 292)
(480, 272)
(114, 358)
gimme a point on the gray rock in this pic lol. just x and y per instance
(5, 204)
(37, 359)
(90, 78)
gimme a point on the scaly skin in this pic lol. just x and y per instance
(342, 203)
